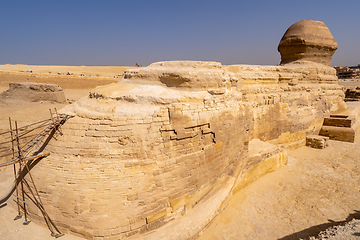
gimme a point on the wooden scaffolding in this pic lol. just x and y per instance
(24, 146)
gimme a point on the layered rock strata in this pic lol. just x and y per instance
(307, 40)
(288, 102)
(173, 137)
(135, 156)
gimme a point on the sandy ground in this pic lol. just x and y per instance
(26, 113)
(10, 229)
(317, 189)
(87, 71)
(349, 231)
(350, 82)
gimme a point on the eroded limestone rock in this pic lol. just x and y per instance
(316, 141)
(183, 74)
(167, 138)
(164, 149)
(34, 92)
(307, 40)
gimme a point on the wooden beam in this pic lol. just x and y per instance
(25, 160)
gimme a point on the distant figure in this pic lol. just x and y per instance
(137, 65)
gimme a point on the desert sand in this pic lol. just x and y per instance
(87, 71)
(74, 86)
(317, 189)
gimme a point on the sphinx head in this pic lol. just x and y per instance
(307, 41)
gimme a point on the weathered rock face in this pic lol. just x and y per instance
(167, 138)
(143, 155)
(34, 92)
(307, 40)
(184, 75)
(288, 102)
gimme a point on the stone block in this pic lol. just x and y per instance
(318, 142)
(156, 224)
(338, 121)
(338, 133)
(82, 231)
(135, 224)
(178, 203)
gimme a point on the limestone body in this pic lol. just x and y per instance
(34, 92)
(170, 138)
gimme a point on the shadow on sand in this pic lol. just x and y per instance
(315, 230)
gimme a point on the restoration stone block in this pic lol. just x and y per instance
(319, 142)
(338, 133)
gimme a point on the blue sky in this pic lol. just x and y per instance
(122, 33)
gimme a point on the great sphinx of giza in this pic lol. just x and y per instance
(307, 41)
(158, 154)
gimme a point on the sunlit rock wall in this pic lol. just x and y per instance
(154, 146)
(137, 155)
(287, 102)
(134, 157)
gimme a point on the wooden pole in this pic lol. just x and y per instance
(21, 175)
(15, 175)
